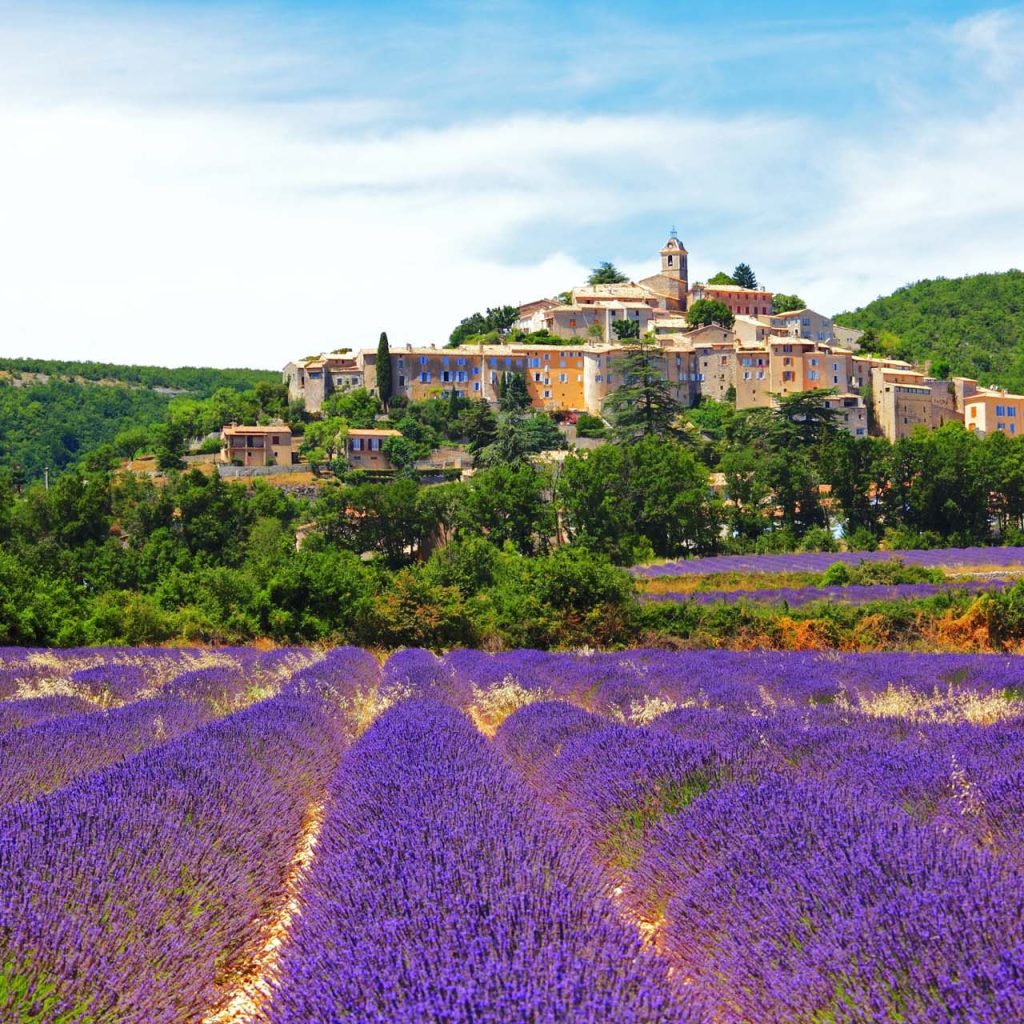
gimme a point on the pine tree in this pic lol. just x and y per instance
(744, 276)
(643, 404)
(515, 395)
(385, 381)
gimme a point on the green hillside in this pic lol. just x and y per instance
(53, 414)
(966, 326)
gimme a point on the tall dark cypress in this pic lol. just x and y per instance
(385, 382)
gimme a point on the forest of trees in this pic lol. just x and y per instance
(53, 414)
(968, 326)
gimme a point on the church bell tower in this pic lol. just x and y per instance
(674, 264)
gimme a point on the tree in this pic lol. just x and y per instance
(853, 467)
(518, 437)
(513, 395)
(507, 503)
(499, 319)
(710, 311)
(625, 329)
(385, 380)
(721, 278)
(502, 318)
(606, 273)
(478, 425)
(744, 277)
(787, 303)
(643, 403)
(475, 323)
(324, 441)
(648, 498)
(806, 416)
(358, 407)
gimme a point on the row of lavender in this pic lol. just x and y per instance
(819, 561)
(853, 594)
(144, 886)
(120, 705)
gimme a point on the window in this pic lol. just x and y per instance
(446, 376)
(746, 374)
(670, 258)
(563, 378)
(1013, 428)
(760, 374)
(423, 360)
(401, 380)
(461, 376)
(860, 431)
(534, 363)
(445, 361)
(357, 444)
(1000, 426)
(835, 380)
(461, 361)
(547, 394)
(787, 375)
(476, 385)
(374, 444)
(1000, 410)
(476, 371)
(536, 378)
(812, 374)
(494, 361)
(1011, 411)
(424, 378)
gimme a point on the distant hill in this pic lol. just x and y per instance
(966, 326)
(199, 381)
(54, 413)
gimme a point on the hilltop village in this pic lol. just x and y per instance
(568, 350)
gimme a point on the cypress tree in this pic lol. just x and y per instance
(385, 383)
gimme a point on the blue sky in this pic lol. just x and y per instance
(240, 183)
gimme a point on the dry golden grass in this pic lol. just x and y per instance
(492, 705)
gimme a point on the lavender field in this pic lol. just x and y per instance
(988, 558)
(853, 594)
(644, 836)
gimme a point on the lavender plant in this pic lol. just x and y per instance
(441, 893)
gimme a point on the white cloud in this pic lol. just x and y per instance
(165, 225)
(229, 238)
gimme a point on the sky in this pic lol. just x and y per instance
(242, 183)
